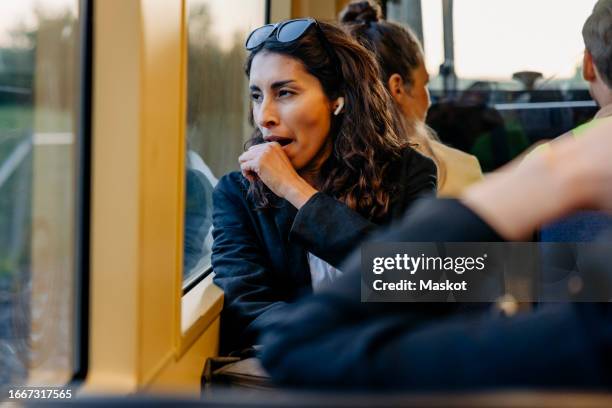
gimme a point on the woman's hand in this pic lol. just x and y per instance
(269, 162)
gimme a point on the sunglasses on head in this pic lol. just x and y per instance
(288, 31)
(285, 31)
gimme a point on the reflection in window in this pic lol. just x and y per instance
(38, 46)
(217, 110)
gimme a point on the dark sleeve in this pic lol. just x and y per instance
(325, 342)
(419, 177)
(241, 268)
(331, 230)
(333, 340)
(328, 228)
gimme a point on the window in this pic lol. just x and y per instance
(38, 87)
(217, 112)
(495, 39)
(507, 83)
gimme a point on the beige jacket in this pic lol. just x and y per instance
(462, 170)
(604, 112)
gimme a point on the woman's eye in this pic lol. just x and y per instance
(255, 97)
(284, 93)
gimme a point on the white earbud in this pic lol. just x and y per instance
(340, 106)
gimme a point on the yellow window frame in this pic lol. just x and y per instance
(144, 335)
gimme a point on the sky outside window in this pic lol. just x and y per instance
(494, 38)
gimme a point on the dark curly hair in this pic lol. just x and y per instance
(365, 137)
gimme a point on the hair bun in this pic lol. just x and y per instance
(361, 12)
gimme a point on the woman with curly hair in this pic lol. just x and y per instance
(325, 165)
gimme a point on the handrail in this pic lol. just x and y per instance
(14, 160)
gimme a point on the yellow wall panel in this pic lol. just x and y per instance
(136, 341)
(115, 224)
(161, 175)
(183, 375)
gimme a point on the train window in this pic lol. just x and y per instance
(38, 70)
(499, 80)
(217, 107)
(521, 35)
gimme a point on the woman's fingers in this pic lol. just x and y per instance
(259, 150)
(251, 165)
(249, 170)
(269, 163)
(250, 154)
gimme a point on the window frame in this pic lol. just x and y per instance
(78, 258)
(200, 275)
(83, 193)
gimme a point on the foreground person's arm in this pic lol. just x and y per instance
(571, 174)
(333, 340)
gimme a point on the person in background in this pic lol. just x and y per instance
(403, 71)
(596, 65)
(597, 61)
(325, 166)
(597, 71)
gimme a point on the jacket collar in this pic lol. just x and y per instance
(604, 112)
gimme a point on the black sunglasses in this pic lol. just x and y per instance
(288, 31)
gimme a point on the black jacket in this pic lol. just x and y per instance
(331, 339)
(259, 257)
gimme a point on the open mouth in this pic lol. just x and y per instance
(283, 141)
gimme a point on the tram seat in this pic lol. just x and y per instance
(567, 259)
(584, 226)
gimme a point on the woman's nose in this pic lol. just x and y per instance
(268, 114)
